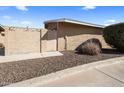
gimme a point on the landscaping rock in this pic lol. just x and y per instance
(13, 72)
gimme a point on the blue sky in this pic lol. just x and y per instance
(34, 16)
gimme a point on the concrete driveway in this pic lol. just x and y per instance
(106, 73)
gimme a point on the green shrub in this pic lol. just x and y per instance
(114, 35)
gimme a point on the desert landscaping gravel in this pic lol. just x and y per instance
(22, 70)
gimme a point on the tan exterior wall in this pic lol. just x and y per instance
(49, 40)
(72, 35)
(44, 40)
(62, 36)
(20, 40)
(51, 37)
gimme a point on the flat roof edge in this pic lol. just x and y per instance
(74, 22)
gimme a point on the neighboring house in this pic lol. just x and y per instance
(58, 35)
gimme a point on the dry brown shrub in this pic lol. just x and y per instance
(90, 47)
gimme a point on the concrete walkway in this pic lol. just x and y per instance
(101, 74)
(19, 57)
(94, 77)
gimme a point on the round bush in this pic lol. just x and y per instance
(114, 35)
(90, 47)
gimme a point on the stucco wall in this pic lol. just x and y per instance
(44, 39)
(73, 35)
(19, 40)
(22, 40)
(66, 37)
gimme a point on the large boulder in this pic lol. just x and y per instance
(90, 47)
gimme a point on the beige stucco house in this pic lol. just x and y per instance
(67, 34)
(57, 35)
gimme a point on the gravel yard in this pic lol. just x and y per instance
(18, 71)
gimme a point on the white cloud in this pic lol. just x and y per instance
(6, 17)
(109, 22)
(22, 8)
(89, 7)
(26, 23)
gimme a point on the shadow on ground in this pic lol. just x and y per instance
(111, 51)
(107, 51)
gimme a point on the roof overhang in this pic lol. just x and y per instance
(74, 22)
